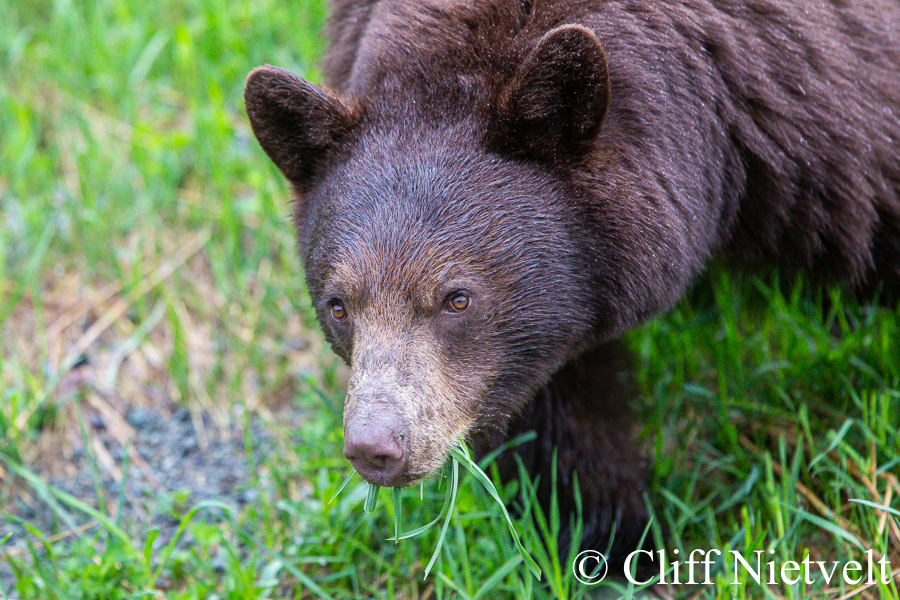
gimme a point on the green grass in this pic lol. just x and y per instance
(142, 227)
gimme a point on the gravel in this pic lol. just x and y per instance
(180, 468)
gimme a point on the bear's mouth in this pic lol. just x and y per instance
(386, 459)
(400, 423)
(376, 449)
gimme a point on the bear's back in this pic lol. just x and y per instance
(778, 122)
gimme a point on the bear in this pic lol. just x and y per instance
(489, 193)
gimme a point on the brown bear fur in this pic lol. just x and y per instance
(569, 167)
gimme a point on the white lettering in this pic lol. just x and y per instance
(707, 563)
(591, 568)
(628, 569)
(788, 566)
(885, 570)
(827, 575)
(852, 566)
(755, 575)
(691, 563)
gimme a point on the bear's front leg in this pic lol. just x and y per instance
(583, 413)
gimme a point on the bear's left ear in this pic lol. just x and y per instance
(557, 98)
(297, 123)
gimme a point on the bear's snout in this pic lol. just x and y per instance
(376, 451)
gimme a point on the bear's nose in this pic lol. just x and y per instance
(376, 452)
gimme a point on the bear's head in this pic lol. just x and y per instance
(440, 241)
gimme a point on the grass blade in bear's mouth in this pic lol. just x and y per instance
(371, 498)
(454, 484)
(427, 526)
(371, 495)
(397, 510)
(459, 454)
(343, 485)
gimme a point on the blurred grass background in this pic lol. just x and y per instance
(147, 259)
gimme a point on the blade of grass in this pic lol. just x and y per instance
(49, 493)
(397, 509)
(498, 576)
(302, 577)
(828, 526)
(170, 547)
(516, 441)
(371, 498)
(454, 484)
(871, 504)
(461, 454)
(424, 528)
(343, 485)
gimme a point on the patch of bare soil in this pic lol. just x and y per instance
(109, 423)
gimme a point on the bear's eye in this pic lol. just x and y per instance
(338, 312)
(458, 303)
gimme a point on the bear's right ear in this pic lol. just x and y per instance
(297, 123)
(557, 98)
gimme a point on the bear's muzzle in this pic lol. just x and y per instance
(376, 451)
